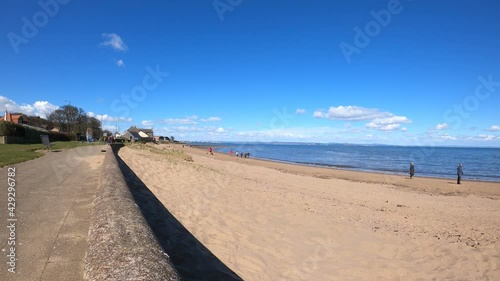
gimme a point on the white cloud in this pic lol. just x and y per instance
(380, 120)
(443, 126)
(106, 118)
(120, 63)
(39, 108)
(389, 123)
(494, 128)
(114, 41)
(347, 125)
(383, 127)
(352, 113)
(211, 119)
(44, 108)
(220, 130)
(300, 111)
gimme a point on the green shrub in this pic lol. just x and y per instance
(32, 134)
(11, 129)
(60, 136)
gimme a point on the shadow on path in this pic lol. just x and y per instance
(192, 260)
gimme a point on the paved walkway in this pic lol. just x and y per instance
(54, 196)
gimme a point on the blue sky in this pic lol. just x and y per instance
(393, 72)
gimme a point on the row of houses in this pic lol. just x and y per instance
(131, 134)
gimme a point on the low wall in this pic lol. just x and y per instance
(121, 245)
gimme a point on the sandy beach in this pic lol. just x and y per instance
(273, 221)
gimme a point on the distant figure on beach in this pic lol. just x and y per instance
(236, 153)
(412, 170)
(231, 152)
(460, 173)
(211, 151)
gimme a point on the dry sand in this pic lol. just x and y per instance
(274, 221)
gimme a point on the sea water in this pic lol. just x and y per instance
(440, 162)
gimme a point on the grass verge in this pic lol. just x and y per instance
(16, 153)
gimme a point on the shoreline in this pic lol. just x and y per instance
(340, 167)
(425, 184)
(353, 169)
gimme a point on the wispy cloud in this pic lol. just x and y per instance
(211, 119)
(380, 120)
(120, 63)
(180, 121)
(448, 137)
(319, 114)
(300, 111)
(189, 120)
(443, 126)
(114, 41)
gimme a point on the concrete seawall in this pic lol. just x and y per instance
(121, 245)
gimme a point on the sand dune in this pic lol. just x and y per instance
(272, 221)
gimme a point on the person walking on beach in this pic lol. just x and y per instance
(211, 151)
(412, 170)
(231, 152)
(460, 173)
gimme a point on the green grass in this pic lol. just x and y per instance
(16, 153)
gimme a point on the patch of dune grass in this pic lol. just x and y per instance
(171, 154)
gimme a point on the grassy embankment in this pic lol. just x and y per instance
(170, 154)
(16, 153)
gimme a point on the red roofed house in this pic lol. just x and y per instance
(17, 118)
